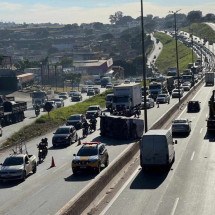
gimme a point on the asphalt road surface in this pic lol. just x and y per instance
(188, 188)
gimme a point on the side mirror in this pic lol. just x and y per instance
(175, 142)
(74, 154)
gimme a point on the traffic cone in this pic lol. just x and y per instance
(53, 163)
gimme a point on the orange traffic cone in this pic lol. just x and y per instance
(53, 163)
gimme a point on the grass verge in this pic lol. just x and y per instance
(56, 118)
(201, 30)
(167, 58)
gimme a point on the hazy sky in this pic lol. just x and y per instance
(86, 11)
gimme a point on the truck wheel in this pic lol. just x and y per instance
(34, 169)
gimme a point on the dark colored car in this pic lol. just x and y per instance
(193, 106)
(76, 120)
(64, 135)
(93, 110)
(91, 156)
(76, 97)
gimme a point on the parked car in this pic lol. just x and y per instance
(150, 103)
(181, 126)
(91, 156)
(97, 90)
(177, 93)
(93, 110)
(64, 135)
(59, 102)
(193, 106)
(63, 95)
(91, 92)
(127, 81)
(163, 98)
(186, 86)
(137, 80)
(76, 120)
(76, 97)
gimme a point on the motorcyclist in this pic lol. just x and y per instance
(37, 109)
(85, 128)
(93, 123)
(43, 145)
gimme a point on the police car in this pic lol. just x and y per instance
(91, 156)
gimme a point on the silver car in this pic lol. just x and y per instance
(59, 102)
(150, 103)
(163, 98)
(181, 126)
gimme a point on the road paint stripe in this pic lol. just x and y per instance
(175, 206)
(119, 192)
(201, 130)
(192, 156)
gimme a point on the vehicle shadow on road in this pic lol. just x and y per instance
(9, 184)
(80, 177)
(149, 180)
(210, 137)
(111, 142)
(180, 136)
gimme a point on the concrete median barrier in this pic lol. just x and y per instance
(82, 200)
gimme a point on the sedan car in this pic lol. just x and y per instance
(163, 98)
(93, 110)
(63, 95)
(64, 135)
(97, 90)
(150, 103)
(51, 103)
(186, 86)
(181, 126)
(91, 92)
(91, 156)
(84, 90)
(127, 81)
(76, 120)
(109, 86)
(193, 106)
(59, 102)
(72, 92)
(177, 93)
(76, 97)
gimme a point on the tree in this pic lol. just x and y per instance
(194, 16)
(66, 62)
(210, 17)
(116, 17)
(124, 20)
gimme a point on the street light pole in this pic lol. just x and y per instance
(176, 51)
(144, 70)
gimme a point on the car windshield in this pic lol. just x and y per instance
(76, 117)
(162, 96)
(57, 100)
(63, 94)
(13, 161)
(76, 94)
(93, 108)
(180, 121)
(88, 151)
(62, 131)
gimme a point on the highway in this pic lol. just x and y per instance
(50, 189)
(30, 113)
(188, 188)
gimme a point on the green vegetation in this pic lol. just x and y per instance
(46, 123)
(201, 30)
(167, 58)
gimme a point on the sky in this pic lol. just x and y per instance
(87, 11)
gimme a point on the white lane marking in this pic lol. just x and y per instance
(119, 192)
(192, 156)
(201, 130)
(175, 206)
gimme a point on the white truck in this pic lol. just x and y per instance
(126, 97)
(209, 78)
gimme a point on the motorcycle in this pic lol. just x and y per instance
(92, 126)
(37, 112)
(85, 131)
(42, 150)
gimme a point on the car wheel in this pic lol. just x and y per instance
(76, 138)
(34, 169)
(24, 176)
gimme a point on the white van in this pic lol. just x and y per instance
(157, 149)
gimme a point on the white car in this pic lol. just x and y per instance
(163, 98)
(177, 93)
(150, 103)
(63, 95)
(59, 102)
(181, 126)
(186, 86)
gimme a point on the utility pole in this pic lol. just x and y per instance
(176, 51)
(144, 69)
